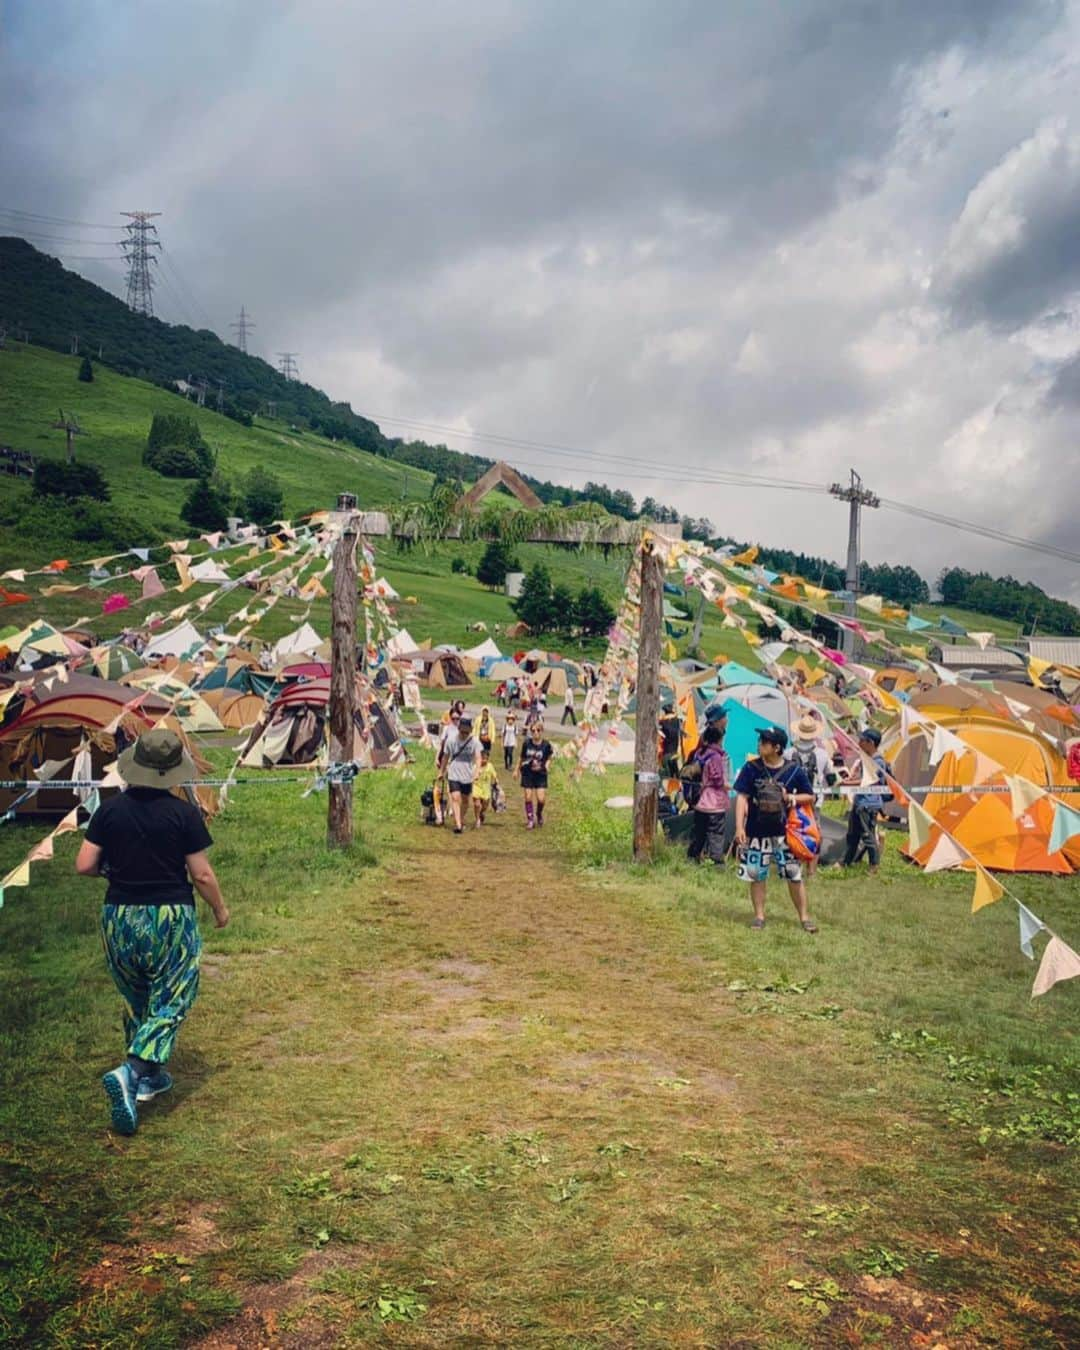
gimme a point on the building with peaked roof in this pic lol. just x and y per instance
(502, 475)
(1060, 651)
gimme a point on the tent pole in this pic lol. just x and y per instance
(646, 758)
(339, 820)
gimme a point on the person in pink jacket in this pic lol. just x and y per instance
(710, 809)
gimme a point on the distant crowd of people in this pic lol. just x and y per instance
(464, 771)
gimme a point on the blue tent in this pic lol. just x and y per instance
(740, 738)
(733, 673)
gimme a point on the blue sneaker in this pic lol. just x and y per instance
(119, 1085)
(152, 1085)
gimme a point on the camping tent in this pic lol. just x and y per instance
(767, 702)
(235, 710)
(983, 822)
(181, 641)
(731, 672)
(400, 642)
(110, 663)
(303, 642)
(50, 720)
(295, 728)
(484, 650)
(436, 669)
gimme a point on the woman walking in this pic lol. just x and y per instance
(536, 752)
(710, 809)
(459, 758)
(151, 846)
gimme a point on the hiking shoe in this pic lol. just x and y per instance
(119, 1085)
(152, 1085)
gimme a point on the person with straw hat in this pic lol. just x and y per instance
(151, 847)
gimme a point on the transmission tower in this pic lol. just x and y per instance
(856, 497)
(287, 365)
(138, 251)
(243, 326)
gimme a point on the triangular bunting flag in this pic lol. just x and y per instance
(1066, 825)
(987, 890)
(919, 826)
(1030, 926)
(944, 743)
(18, 876)
(947, 853)
(1059, 962)
(41, 852)
(1023, 794)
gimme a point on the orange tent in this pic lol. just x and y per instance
(982, 822)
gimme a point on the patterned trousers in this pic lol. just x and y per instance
(153, 955)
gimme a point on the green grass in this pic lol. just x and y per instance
(511, 1089)
(116, 412)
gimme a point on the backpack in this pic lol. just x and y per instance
(807, 761)
(427, 806)
(690, 781)
(769, 800)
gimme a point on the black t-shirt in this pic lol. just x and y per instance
(145, 836)
(791, 777)
(535, 756)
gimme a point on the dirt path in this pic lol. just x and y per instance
(578, 1138)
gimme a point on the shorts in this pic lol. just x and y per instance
(462, 789)
(761, 854)
(533, 780)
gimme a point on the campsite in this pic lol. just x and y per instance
(540, 677)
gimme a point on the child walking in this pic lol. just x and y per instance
(509, 739)
(484, 785)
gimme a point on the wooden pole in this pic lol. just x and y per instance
(646, 756)
(339, 821)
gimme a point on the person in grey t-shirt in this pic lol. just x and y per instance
(459, 757)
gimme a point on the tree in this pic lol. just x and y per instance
(534, 605)
(176, 449)
(204, 508)
(494, 565)
(562, 608)
(86, 371)
(262, 497)
(592, 612)
(53, 479)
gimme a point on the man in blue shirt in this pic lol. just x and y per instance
(862, 833)
(767, 787)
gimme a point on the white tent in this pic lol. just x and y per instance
(303, 642)
(401, 643)
(382, 587)
(487, 648)
(183, 640)
(209, 570)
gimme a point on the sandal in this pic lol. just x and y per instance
(757, 923)
(809, 926)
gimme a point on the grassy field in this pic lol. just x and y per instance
(510, 1089)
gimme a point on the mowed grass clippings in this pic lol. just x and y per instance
(507, 1088)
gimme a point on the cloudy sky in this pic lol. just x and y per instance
(783, 237)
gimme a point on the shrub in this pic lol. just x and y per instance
(53, 479)
(176, 449)
(86, 371)
(180, 461)
(262, 498)
(459, 567)
(65, 522)
(204, 507)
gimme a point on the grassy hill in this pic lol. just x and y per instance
(116, 411)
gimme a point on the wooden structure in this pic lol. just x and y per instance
(502, 475)
(343, 637)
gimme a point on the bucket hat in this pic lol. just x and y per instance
(156, 760)
(806, 728)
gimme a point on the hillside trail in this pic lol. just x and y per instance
(524, 1008)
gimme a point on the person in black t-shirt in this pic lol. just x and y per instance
(767, 787)
(532, 772)
(151, 846)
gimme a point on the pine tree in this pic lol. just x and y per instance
(86, 371)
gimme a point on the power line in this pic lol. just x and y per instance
(986, 531)
(141, 240)
(54, 220)
(196, 304)
(287, 365)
